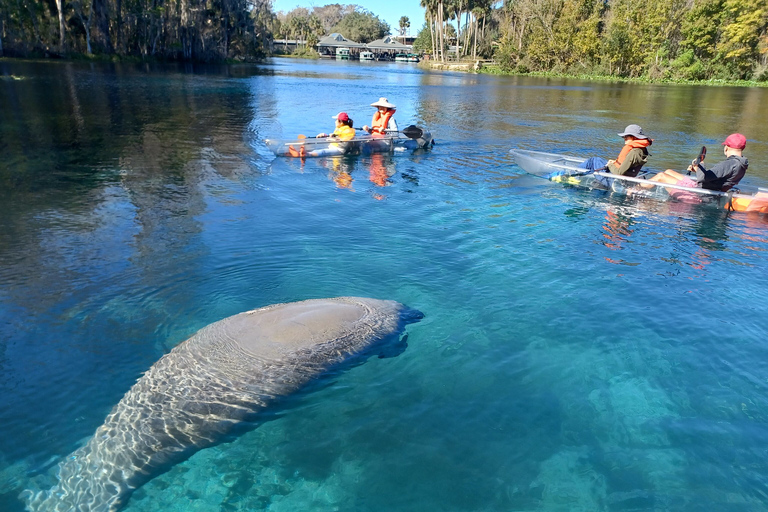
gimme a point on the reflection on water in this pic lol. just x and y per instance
(580, 350)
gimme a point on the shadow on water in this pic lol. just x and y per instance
(103, 171)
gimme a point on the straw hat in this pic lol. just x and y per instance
(382, 103)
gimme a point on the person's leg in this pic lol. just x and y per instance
(668, 176)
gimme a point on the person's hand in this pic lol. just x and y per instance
(610, 162)
(366, 128)
(692, 167)
(321, 135)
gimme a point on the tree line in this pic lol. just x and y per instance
(657, 39)
(203, 30)
(189, 30)
(653, 39)
(351, 21)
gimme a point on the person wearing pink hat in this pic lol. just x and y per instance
(723, 176)
(344, 132)
(344, 128)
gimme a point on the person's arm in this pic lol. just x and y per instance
(392, 125)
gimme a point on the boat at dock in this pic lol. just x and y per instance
(406, 57)
(568, 170)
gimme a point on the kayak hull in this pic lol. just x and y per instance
(360, 145)
(565, 169)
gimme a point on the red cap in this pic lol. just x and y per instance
(736, 141)
(341, 116)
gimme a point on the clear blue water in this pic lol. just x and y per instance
(579, 351)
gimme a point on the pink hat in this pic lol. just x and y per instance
(341, 116)
(736, 141)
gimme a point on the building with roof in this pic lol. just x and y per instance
(387, 48)
(328, 45)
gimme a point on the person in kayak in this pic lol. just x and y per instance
(383, 120)
(344, 128)
(634, 154)
(344, 131)
(723, 176)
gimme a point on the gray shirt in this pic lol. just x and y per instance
(724, 175)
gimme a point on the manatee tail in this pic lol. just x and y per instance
(82, 486)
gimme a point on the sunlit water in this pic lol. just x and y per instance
(579, 351)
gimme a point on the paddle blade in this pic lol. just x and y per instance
(301, 137)
(413, 132)
(702, 155)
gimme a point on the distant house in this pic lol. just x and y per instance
(387, 47)
(329, 44)
(407, 40)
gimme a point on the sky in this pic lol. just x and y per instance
(389, 11)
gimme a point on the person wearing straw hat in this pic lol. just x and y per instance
(383, 120)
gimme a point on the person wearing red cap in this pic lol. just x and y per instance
(723, 176)
(344, 131)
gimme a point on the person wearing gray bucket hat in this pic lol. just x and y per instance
(634, 130)
(634, 155)
(383, 120)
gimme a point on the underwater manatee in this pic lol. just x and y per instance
(212, 386)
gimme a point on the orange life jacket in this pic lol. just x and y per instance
(380, 121)
(629, 146)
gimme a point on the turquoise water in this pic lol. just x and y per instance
(580, 351)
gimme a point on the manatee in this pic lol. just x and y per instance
(212, 386)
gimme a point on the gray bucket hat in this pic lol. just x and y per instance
(635, 131)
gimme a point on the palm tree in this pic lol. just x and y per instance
(405, 23)
(430, 12)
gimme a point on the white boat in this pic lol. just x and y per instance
(566, 169)
(409, 139)
(342, 53)
(366, 56)
(407, 57)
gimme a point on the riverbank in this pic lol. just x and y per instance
(490, 68)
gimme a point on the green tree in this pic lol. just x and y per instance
(362, 26)
(744, 21)
(405, 24)
(700, 28)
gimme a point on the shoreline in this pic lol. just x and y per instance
(489, 68)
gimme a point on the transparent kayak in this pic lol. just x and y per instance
(565, 169)
(409, 139)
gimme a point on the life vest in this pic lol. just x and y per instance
(344, 132)
(629, 146)
(380, 121)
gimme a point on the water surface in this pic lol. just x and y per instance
(579, 351)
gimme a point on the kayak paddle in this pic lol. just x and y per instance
(413, 132)
(700, 157)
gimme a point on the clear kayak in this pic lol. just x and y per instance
(566, 169)
(409, 139)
